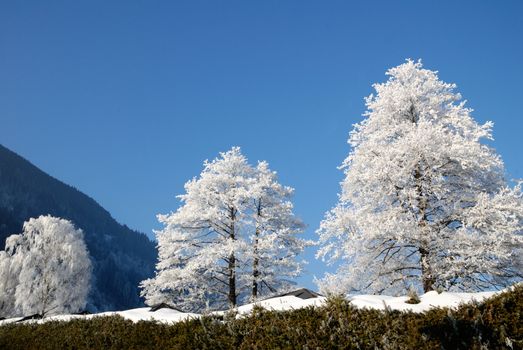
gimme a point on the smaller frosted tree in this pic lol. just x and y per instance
(233, 238)
(8, 281)
(199, 246)
(275, 244)
(53, 267)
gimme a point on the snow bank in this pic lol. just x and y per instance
(427, 301)
(284, 303)
(141, 314)
(165, 315)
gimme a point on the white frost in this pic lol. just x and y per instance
(424, 202)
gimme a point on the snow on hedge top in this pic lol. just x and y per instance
(164, 315)
(427, 301)
(284, 303)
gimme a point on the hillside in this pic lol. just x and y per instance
(121, 257)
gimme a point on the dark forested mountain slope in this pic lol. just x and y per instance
(121, 257)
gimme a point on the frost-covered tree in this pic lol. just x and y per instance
(8, 281)
(53, 267)
(424, 201)
(198, 248)
(208, 247)
(275, 244)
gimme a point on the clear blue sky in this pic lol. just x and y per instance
(125, 99)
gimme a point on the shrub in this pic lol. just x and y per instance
(413, 296)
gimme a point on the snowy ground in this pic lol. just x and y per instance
(278, 304)
(428, 301)
(135, 315)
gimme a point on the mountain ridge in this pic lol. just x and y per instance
(122, 257)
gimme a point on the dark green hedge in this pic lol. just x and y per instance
(495, 324)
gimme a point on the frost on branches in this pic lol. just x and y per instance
(233, 238)
(44, 270)
(8, 280)
(274, 244)
(424, 201)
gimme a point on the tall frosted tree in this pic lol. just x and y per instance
(424, 201)
(53, 267)
(275, 242)
(206, 247)
(199, 245)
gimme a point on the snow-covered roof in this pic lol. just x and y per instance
(302, 293)
(159, 306)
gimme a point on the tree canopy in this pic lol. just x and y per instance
(233, 238)
(424, 201)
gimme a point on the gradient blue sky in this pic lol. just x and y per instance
(125, 99)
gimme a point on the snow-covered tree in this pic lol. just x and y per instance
(8, 281)
(199, 245)
(52, 264)
(220, 232)
(275, 244)
(424, 201)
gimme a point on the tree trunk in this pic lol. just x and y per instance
(255, 260)
(232, 281)
(232, 263)
(427, 278)
(255, 272)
